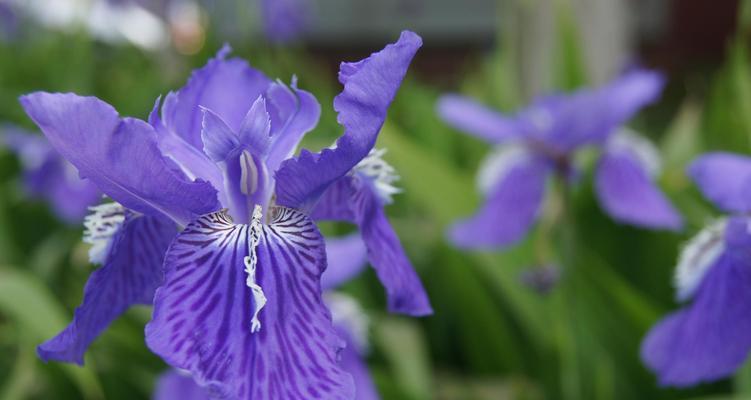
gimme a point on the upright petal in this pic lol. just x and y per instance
(347, 257)
(707, 340)
(353, 199)
(131, 272)
(174, 385)
(476, 119)
(226, 86)
(202, 314)
(724, 179)
(510, 209)
(119, 155)
(369, 87)
(627, 194)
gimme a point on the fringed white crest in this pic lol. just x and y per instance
(381, 174)
(259, 298)
(99, 227)
(347, 313)
(638, 146)
(499, 163)
(697, 256)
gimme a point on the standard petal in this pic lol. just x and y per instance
(724, 179)
(510, 209)
(369, 87)
(471, 117)
(202, 315)
(119, 155)
(352, 199)
(226, 86)
(707, 340)
(174, 385)
(627, 194)
(347, 257)
(131, 272)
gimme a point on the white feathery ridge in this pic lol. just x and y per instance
(697, 256)
(380, 173)
(99, 228)
(259, 298)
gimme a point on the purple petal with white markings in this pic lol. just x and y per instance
(708, 339)
(369, 87)
(202, 314)
(510, 210)
(724, 179)
(627, 194)
(119, 155)
(353, 200)
(131, 272)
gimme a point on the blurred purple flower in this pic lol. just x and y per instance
(542, 139)
(49, 177)
(239, 306)
(709, 339)
(9, 22)
(285, 20)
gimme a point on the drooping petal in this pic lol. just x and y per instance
(369, 87)
(119, 155)
(131, 272)
(724, 179)
(347, 257)
(627, 193)
(352, 199)
(48, 176)
(471, 117)
(226, 86)
(202, 314)
(174, 385)
(510, 209)
(708, 339)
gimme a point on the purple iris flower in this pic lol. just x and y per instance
(542, 140)
(210, 190)
(708, 339)
(48, 176)
(346, 258)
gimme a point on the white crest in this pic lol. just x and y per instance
(99, 228)
(640, 147)
(380, 173)
(499, 163)
(697, 256)
(259, 298)
(347, 313)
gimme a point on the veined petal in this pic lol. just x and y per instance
(471, 117)
(119, 155)
(226, 86)
(510, 209)
(707, 340)
(202, 315)
(369, 87)
(131, 272)
(724, 179)
(353, 199)
(175, 385)
(627, 194)
(347, 257)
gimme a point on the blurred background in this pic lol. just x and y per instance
(492, 336)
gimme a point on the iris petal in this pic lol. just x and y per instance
(131, 272)
(119, 155)
(724, 179)
(202, 315)
(476, 119)
(369, 87)
(173, 385)
(347, 257)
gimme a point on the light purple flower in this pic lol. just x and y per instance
(239, 306)
(708, 339)
(48, 176)
(285, 20)
(542, 140)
